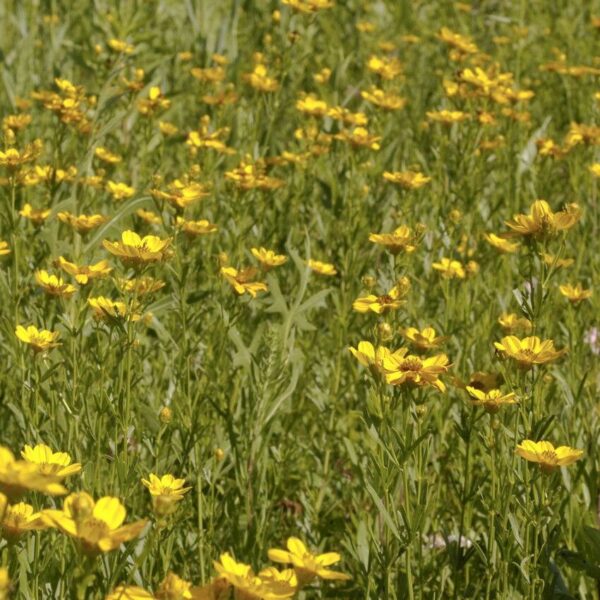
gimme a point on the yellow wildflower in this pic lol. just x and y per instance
(383, 99)
(107, 156)
(511, 323)
(547, 456)
(407, 369)
(195, 228)
(136, 250)
(267, 258)
(241, 282)
(53, 285)
(427, 339)
(529, 351)
(403, 238)
(119, 191)
(321, 267)
(106, 309)
(410, 180)
(575, 293)
(49, 462)
(501, 243)
(40, 340)
(393, 300)
(491, 400)
(83, 273)
(450, 269)
(82, 223)
(18, 519)
(37, 217)
(542, 223)
(166, 491)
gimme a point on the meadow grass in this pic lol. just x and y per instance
(293, 398)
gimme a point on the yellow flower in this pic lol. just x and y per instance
(53, 285)
(120, 46)
(130, 592)
(575, 293)
(119, 191)
(96, 526)
(240, 281)
(447, 116)
(135, 250)
(154, 102)
(321, 267)
(166, 491)
(249, 586)
(195, 228)
(501, 243)
(259, 79)
(462, 43)
(307, 565)
(83, 273)
(371, 357)
(4, 248)
(410, 180)
(174, 587)
(322, 76)
(249, 176)
(511, 323)
(4, 584)
(39, 339)
(37, 217)
(548, 457)
(555, 262)
(529, 351)
(82, 223)
(148, 216)
(360, 137)
(542, 223)
(108, 310)
(383, 99)
(386, 68)
(381, 304)
(309, 104)
(12, 158)
(49, 462)
(18, 519)
(491, 400)
(267, 258)
(403, 238)
(403, 368)
(308, 6)
(425, 339)
(140, 285)
(450, 269)
(107, 156)
(20, 476)
(181, 194)
(595, 169)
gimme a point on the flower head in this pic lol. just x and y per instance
(410, 180)
(322, 268)
(241, 281)
(53, 285)
(307, 565)
(393, 300)
(49, 462)
(529, 351)
(96, 526)
(450, 269)
(491, 400)
(575, 293)
(415, 371)
(135, 250)
(84, 273)
(18, 519)
(82, 223)
(195, 228)
(502, 244)
(403, 238)
(166, 491)
(547, 456)
(427, 339)
(40, 340)
(542, 223)
(268, 258)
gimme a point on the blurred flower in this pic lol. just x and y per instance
(18, 519)
(410, 180)
(241, 282)
(542, 223)
(425, 339)
(135, 250)
(84, 273)
(575, 293)
(36, 216)
(40, 340)
(82, 223)
(49, 462)
(491, 400)
(450, 269)
(529, 351)
(119, 191)
(321, 267)
(268, 259)
(166, 491)
(403, 238)
(307, 565)
(53, 285)
(512, 323)
(500, 243)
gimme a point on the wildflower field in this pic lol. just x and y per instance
(297, 299)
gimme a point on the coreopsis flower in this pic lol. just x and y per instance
(371, 357)
(82, 223)
(554, 262)
(154, 102)
(120, 46)
(241, 281)
(575, 293)
(547, 456)
(308, 566)
(119, 191)
(205, 138)
(167, 128)
(359, 137)
(140, 286)
(259, 79)
(385, 67)
(415, 371)
(409, 180)
(450, 269)
(462, 43)
(322, 268)
(36, 216)
(173, 587)
(134, 250)
(308, 6)
(512, 323)
(250, 176)
(84, 273)
(501, 243)
(148, 216)
(13, 158)
(130, 592)
(310, 104)
(542, 223)
(393, 300)
(322, 76)
(195, 228)
(4, 248)
(448, 117)
(96, 526)
(166, 492)
(594, 169)
(268, 258)
(426, 339)
(49, 462)
(49, 175)
(383, 99)
(214, 74)
(18, 519)
(109, 310)
(548, 147)
(53, 285)
(16, 122)
(20, 476)
(529, 351)
(491, 400)
(107, 156)
(582, 134)
(247, 585)
(41, 340)
(341, 113)
(181, 194)
(403, 238)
